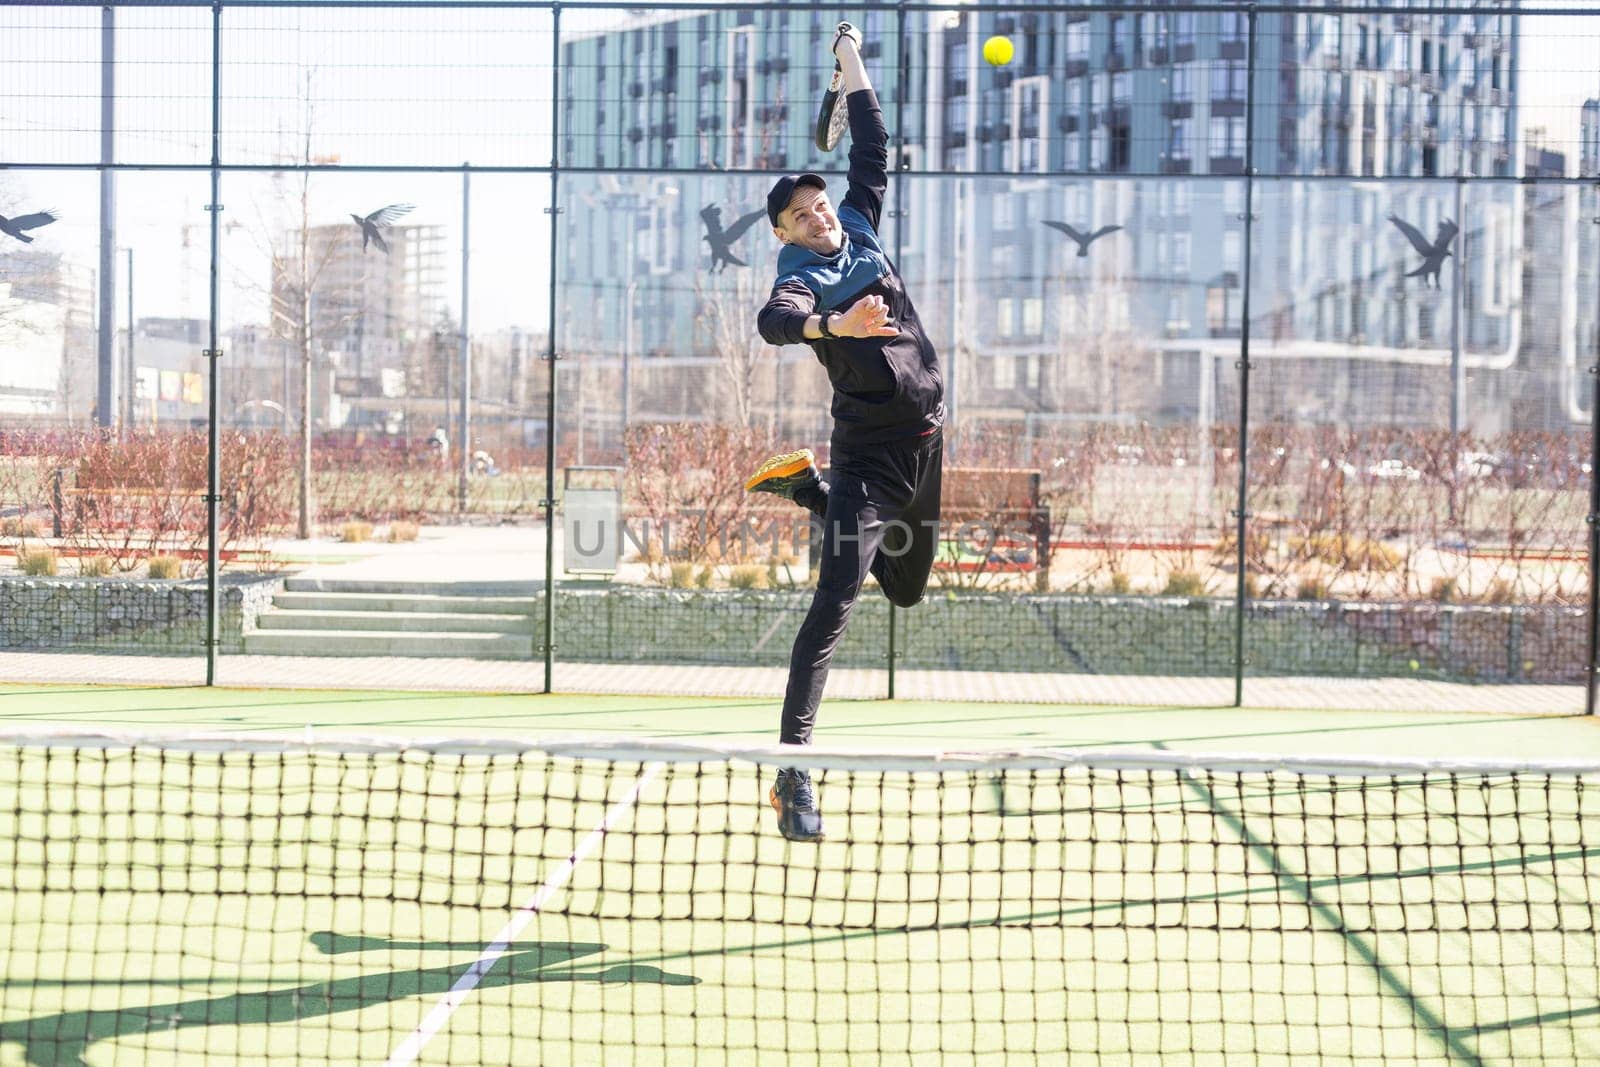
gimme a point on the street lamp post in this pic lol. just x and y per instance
(129, 373)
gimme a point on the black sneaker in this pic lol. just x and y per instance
(786, 475)
(796, 804)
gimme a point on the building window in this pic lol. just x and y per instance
(1227, 81)
(1227, 137)
(1032, 317)
(1184, 32)
(1078, 40)
(1075, 97)
(1074, 151)
(955, 114)
(1183, 81)
(1121, 89)
(1179, 139)
(1119, 34)
(1234, 25)
(1004, 312)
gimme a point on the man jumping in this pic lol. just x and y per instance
(838, 292)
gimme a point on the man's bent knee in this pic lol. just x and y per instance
(903, 598)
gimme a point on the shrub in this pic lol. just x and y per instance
(705, 578)
(1311, 589)
(23, 526)
(1120, 583)
(38, 563)
(403, 531)
(748, 576)
(356, 532)
(1354, 553)
(1501, 592)
(94, 566)
(165, 567)
(1443, 590)
(1184, 583)
(682, 576)
(1256, 545)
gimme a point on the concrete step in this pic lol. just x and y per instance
(369, 643)
(434, 604)
(398, 621)
(487, 587)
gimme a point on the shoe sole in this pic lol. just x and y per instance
(777, 806)
(783, 466)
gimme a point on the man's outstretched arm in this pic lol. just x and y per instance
(869, 137)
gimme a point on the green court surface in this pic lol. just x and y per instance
(172, 906)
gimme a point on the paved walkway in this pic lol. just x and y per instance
(439, 554)
(468, 675)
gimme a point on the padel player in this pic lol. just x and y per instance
(838, 292)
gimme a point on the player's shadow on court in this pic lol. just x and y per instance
(64, 1039)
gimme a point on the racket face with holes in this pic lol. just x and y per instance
(833, 116)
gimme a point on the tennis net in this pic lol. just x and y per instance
(336, 900)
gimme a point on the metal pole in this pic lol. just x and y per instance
(1593, 663)
(105, 378)
(1242, 512)
(466, 338)
(549, 501)
(129, 372)
(902, 71)
(213, 352)
(1458, 382)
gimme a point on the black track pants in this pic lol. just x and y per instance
(880, 514)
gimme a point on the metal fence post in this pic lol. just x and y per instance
(1242, 510)
(549, 501)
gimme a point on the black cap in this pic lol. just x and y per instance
(778, 199)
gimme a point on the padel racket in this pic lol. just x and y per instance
(833, 117)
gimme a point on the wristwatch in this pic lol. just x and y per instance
(823, 320)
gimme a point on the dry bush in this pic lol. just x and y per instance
(1184, 583)
(94, 566)
(165, 567)
(748, 576)
(354, 533)
(37, 562)
(686, 482)
(21, 526)
(403, 531)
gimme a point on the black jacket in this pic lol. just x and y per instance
(884, 388)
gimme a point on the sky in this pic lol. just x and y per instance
(425, 86)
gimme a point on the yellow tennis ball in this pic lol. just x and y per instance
(998, 51)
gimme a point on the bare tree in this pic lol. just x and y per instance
(728, 302)
(299, 254)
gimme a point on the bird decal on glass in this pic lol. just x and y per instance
(1433, 252)
(16, 227)
(722, 241)
(384, 216)
(1083, 240)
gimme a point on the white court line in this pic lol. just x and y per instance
(408, 1050)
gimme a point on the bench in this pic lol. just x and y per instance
(91, 499)
(996, 508)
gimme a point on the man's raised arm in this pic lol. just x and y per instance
(869, 137)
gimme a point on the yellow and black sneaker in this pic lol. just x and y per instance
(786, 475)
